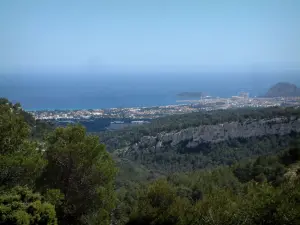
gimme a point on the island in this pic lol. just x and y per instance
(283, 89)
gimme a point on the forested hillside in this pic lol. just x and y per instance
(66, 176)
(261, 191)
(206, 139)
(120, 138)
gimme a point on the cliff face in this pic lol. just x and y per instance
(191, 138)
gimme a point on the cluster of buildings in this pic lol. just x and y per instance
(139, 113)
(67, 114)
(243, 100)
(131, 113)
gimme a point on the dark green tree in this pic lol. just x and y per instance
(21, 160)
(19, 206)
(80, 167)
(292, 154)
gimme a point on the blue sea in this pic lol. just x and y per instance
(94, 91)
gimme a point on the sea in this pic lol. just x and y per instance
(46, 91)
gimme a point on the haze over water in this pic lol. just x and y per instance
(99, 54)
(116, 90)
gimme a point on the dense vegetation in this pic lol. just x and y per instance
(261, 191)
(120, 138)
(67, 177)
(210, 155)
(38, 128)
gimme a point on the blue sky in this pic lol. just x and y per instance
(148, 34)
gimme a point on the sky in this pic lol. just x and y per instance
(147, 34)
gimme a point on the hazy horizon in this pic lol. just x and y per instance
(90, 91)
(94, 54)
(136, 36)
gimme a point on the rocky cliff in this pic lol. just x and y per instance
(193, 137)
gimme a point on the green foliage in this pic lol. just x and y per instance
(249, 204)
(253, 192)
(21, 160)
(38, 129)
(20, 206)
(219, 196)
(211, 155)
(72, 170)
(264, 168)
(13, 128)
(180, 158)
(81, 169)
(158, 204)
(76, 176)
(121, 138)
(54, 196)
(292, 154)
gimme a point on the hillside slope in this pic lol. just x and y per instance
(208, 142)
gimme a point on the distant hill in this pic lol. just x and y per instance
(283, 89)
(191, 141)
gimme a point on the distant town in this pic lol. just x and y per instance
(137, 115)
